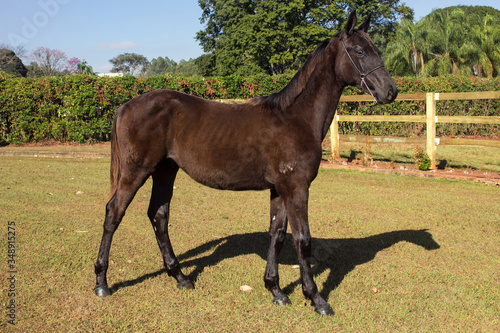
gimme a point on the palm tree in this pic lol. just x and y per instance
(404, 55)
(84, 68)
(457, 40)
(443, 33)
(484, 56)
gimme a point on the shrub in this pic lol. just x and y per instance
(422, 160)
(81, 108)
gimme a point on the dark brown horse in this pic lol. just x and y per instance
(270, 143)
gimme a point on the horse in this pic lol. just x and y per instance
(268, 143)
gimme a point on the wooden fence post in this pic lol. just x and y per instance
(431, 127)
(334, 138)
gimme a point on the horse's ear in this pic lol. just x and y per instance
(351, 23)
(366, 24)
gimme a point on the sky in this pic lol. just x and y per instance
(99, 30)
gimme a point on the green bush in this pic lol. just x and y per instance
(422, 160)
(81, 108)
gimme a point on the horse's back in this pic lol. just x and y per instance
(219, 145)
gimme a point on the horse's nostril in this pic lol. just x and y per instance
(392, 93)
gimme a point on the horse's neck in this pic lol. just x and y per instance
(320, 99)
(325, 112)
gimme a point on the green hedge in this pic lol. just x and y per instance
(80, 108)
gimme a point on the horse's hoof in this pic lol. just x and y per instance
(102, 291)
(281, 301)
(185, 285)
(325, 311)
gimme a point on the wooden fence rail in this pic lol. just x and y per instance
(430, 118)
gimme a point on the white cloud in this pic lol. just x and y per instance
(118, 46)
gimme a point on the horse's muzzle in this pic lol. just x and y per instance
(390, 95)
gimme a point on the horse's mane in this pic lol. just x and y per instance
(283, 99)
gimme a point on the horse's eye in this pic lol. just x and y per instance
(359, 52)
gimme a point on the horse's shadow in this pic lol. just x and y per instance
(340, 256)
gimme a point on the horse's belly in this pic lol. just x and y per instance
(234, 176)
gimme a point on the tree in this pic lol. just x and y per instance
(461, 40)
(404, 57)
(19, 50)
(11, 64)
(84, 68)
(47, 62)
(129, 63)
(160, 66)
(73, 64)
(186, 68)
(443, 33)
(485, 54)
(273, 37)
(205, 64)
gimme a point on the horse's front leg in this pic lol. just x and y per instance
(296, 205)
(277, 233)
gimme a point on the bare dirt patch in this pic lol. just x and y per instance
(486, 177)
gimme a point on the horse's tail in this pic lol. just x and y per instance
(115, 170)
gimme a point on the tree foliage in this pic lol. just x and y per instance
(84, 68)
(47, 62)
(161, 66)
(273, 37)
(461, 40)
(485, 54)
(73, 64)
(11, 64)
(129, 63)
(402, 54)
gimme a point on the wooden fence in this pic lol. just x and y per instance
(430, 119)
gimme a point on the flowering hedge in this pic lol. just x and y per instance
(81, 108)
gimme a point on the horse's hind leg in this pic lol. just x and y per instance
(158, 212)
(277, 232)
(126, 189)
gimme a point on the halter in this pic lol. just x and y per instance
(360, 73)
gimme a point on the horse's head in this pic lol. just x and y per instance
(359, 63)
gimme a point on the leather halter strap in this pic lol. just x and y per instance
(363, 75)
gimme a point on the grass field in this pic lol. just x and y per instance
(391, 254)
